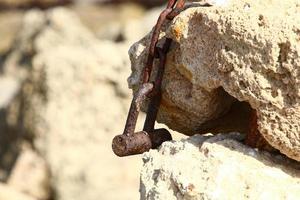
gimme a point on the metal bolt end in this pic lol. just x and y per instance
(127, 145)
(159, 136)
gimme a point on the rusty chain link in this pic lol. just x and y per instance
(130, 143)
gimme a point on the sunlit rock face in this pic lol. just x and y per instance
(246, 51)
(214, 168)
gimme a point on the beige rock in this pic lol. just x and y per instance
(150, 3)
(10, 23)
(246, 49)
(30, 175)
(136, 28)
(110, 22)
(29, 3)
(75, 101)
(9, 87)
(217, 168)
(8, 193)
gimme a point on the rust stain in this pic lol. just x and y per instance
(177, 31)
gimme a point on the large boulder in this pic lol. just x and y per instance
(73, 101)
(217, 168)
(238, 51)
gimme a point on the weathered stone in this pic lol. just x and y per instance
(110, 22)
(246, 50)
(47, 3)
(8, 193)
(31, 3)
(10, 22)
(136, 28)
(9, 88)
(75, 100)
(30, 175)
(219, 167)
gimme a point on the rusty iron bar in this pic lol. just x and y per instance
(135, 107)
(156, 99)
(137, 143)
(166, 14)
(130, 143)
(161, 135)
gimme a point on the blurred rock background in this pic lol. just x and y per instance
(63, 97)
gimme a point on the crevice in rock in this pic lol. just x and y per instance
(283, 53)
(236, 119)
(3, 58)
(11, 138)
(13, 133)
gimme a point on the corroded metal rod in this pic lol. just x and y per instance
(130, 143)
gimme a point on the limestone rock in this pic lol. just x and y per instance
(9, 87)
(244, 50)
(110, 22)
(30, 3)
(8, 193)
(136, 28)
(30, 175)
(10, 22)
(219, 167)
(47, 3)
(75, 101)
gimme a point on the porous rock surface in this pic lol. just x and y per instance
(245, 50)
(73, 101)
(219, 167)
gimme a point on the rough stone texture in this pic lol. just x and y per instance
(250, 49)
(74, 101)
(217, 168)
(30, 175)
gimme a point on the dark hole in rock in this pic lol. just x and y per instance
(236, 119)
(283, 53)
(241, 118)
(274, 93)
(261, 20)
(119, 38)
(227, 48)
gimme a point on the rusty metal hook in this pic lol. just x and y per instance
(130, 143)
